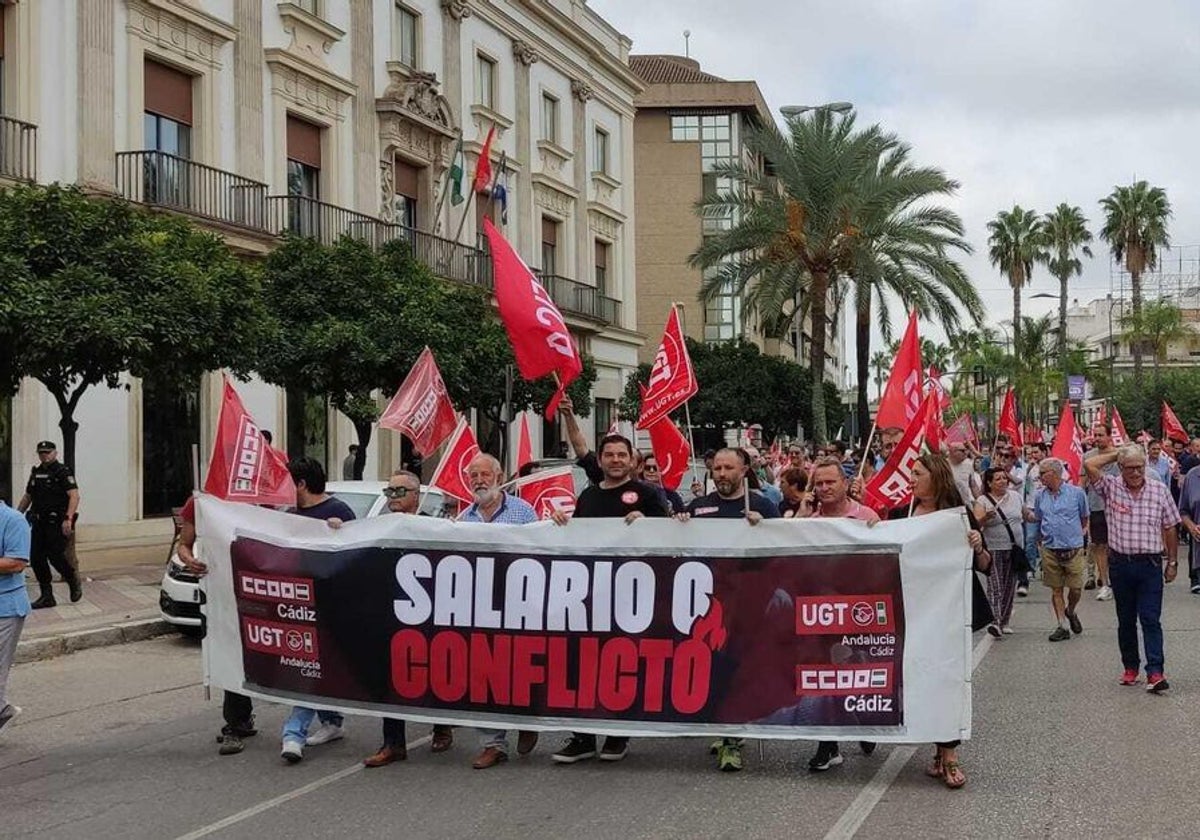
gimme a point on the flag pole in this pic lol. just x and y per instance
(687, 410)
(463, 221)
(437, 212)
(862, 467)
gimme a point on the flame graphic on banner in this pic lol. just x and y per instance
(710, 627)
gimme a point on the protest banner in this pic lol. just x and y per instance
(786, 629)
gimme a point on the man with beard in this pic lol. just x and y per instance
(492, 504)
(403, 494)
(617, 494)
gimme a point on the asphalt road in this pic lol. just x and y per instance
(119, 743)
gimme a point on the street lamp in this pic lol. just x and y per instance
(793, 111)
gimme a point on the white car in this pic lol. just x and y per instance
(179, 594)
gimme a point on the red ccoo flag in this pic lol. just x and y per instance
(1120, 437)
(1068, 447)
(902, 396)
(1008, 418)
(961, 430)
(935, 427)
(536, 328)
(244, 467)
(672, 380)
(548, 491)
(421, 407)
(451, 472)
(891, 487)
(524, 443)
(1171, 427)
(483, 168)
(672, 452)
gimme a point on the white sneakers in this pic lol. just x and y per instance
(325, 733)
(293, 750)
(1105, 594)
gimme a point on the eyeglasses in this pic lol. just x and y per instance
(650, 468)
(398, 492)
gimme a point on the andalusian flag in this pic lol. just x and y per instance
(455, 175)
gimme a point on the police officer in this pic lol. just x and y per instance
(54, 497)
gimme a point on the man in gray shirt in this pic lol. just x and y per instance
(1097, 562)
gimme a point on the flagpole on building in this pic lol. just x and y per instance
(447, 187)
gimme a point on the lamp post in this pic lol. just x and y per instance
(793, 111)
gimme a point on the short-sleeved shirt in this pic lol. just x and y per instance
(512, 511)
(14, 544)
(1160, 469)
(1060, 516)
(854, 510)
(995, 534)
(1136, 520)
(49, 485)
(331, 508)
(596, 502)
(1095, 501)
(714, 505)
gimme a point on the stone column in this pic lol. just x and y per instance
(581, 92)
(525, 150)
(97, 80)
(367, 171)
(248, 88)
(454, 12)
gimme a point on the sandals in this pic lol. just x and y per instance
(952, 775)
(934, 770)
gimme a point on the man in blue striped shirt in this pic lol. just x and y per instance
(14, 600)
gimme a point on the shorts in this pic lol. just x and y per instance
(1098, 528)
(1057, 572)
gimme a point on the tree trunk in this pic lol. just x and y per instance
(1062, 335)
(816, 356)
(363, 429)
(1135, 295)
(862, 352)
(66, 420)
(1016, 335)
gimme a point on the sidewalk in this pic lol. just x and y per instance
(118, 605)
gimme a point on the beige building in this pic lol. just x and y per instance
(322, 118)
(688, 121)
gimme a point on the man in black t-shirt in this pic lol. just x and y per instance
(617, 494)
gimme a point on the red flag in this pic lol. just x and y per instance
(1033, 434)
(891, 487)
(548, 491)
(1068, 447)
(524, 443)
(1171, 427)
(935, 428)
(672, 381)
(483, 169)
(1008, 418)
(536, 328)
(451, 472)
(243, 466)
(935, 383)
(672, 452)
(902, 396)
(1119, 436)
(1101, 418)
(421, 407)
(961, 430)
(1144, 437)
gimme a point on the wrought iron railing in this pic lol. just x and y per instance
(580, 298)
(446, 258)
(18, 150)
(327, 223)
(160, 179)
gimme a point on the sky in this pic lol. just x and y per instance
(1033, 102)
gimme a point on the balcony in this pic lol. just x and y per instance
(159, 179)
(327, 223)
(18, 150)
(576, 298)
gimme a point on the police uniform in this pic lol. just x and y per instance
(48, 487)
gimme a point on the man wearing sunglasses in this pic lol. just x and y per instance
(403, 494)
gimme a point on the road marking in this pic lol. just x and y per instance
(266, 805)
(857, 812)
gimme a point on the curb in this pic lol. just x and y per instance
(49, 647)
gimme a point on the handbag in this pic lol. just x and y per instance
(1020, 561)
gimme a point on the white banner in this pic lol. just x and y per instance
(788, 629)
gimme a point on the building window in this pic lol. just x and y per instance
(722, 314)
(604, 412)
(549, 118)
(170, 428)
(303, 176)
(717, 185)
(407, 178)
(685, 129)
(313, 7)
(167, 129)
(485, 81)
(600, 152)
(307, 426)
(407, 36)
(549, 245)
(602, 249)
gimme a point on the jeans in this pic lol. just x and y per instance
(497, 738)
(10, 632)
(1138, 591)
(1031, 545)
(296, 726)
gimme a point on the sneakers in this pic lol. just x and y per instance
(230, 744)
(614, 749)
(1105, 594)
(8, 713)
(1060, 634)
(867, 747)
(994, 630)
(1076, 624)
(1156, 683)
(293, 750)
(1196, 588)
(1130, 677)
(729, 756)
(827, 756)
(325, 733)
(1022, 590)
(1006, 630)
(44, 602)
(1091, 583)
(576, 748)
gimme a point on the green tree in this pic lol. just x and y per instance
(1066, 237)
(1135, 228)
(935, 355)
(1144, 398)
(881, 365)
(794, 227)
(1156, 328)
(99, 289)
(1015, 242)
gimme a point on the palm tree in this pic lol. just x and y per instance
(1135, 228)
(1158, 326)
(935, 355)
(1066, 237)
(881, 363)
(1014, 245)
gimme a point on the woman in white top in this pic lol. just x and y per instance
(999, 512)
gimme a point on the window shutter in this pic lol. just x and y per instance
(303, 142)
(168, 92)
(601, 254)
(406, 178)
(549, 231)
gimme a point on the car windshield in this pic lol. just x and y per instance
(360, 503)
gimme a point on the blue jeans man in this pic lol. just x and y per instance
(295, 730)
(1138, 591)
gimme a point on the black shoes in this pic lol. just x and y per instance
(76, 587)
(827, 756)
(47, 600)
(1076, 624)
(1060, 634)
(576, 748)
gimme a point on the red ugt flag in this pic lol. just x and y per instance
(421, 408)
(1008, 418)
(1068, 447)
(672, 452)
(244, 467)
(536, 328)
(524, 443)
(672, 380)
(891, 487)
(902, 396)
(451, 472)
(548, 491)
(1171, 427)
(1120, 437)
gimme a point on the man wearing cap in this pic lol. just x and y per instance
(54, 497)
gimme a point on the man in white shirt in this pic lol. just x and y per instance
(965, 477)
